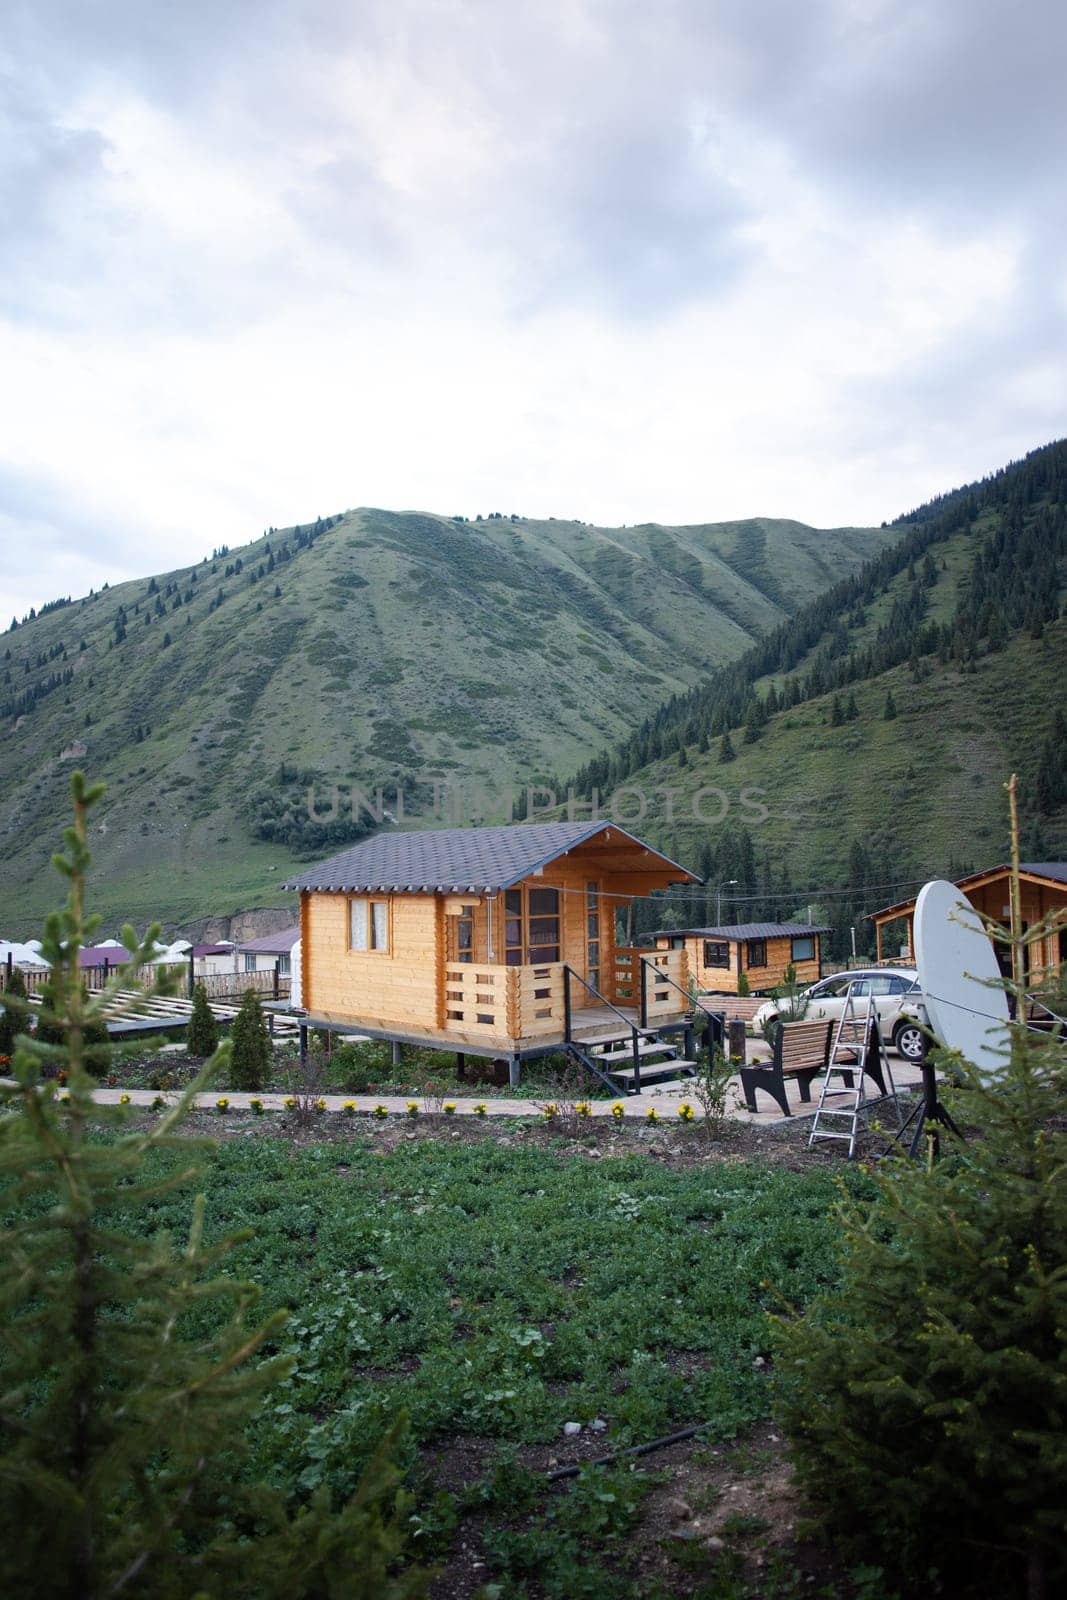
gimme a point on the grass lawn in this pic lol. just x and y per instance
(497, 1285)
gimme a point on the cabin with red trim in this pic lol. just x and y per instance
(495, 941)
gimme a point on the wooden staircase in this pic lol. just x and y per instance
(627, 1068)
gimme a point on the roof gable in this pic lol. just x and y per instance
(461, 860)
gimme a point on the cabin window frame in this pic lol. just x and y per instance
(722, 945)
(376, 936)
(803, 938)
(250, 961)
(752, 946)
(519, 910)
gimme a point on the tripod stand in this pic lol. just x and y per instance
(929, 1110)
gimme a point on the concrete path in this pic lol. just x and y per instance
(635, 1108)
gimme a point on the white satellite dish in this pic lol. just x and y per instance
(958, 972)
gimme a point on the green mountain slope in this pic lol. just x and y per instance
(374, 648)
(958, 632)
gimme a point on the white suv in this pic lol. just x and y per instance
(897, 999)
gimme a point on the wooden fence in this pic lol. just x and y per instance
(272, 985)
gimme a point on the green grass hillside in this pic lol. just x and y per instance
(959, 633)
(371, 648)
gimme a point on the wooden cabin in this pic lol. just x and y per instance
(493, 941)
(1043, 886)
(716, 957)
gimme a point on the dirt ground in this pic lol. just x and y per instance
(719, 1510)
(589, 1139)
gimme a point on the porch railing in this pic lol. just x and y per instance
(650, 980)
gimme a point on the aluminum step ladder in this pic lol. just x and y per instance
(856, 1036)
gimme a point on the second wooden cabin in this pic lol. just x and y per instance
(716, 957)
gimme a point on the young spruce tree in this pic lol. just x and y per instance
(202, 1034)
(926, 1399)
(250, 1061)
(129, 1366)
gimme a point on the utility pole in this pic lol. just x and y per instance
(731, 883)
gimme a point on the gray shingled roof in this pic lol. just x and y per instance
(460, 859)
(269, 944)
(745, 930)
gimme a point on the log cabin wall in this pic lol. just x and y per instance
(1037, 901)
(391, 988)
(723, 980)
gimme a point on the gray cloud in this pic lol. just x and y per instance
(187, 189)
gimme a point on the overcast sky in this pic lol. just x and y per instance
(682, 260)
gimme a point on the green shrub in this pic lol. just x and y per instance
(927, 1400)
(250, 1060)
(354, 1068)
(743, 985)
(202, 1034)
(53, 1026)
(13, 1017)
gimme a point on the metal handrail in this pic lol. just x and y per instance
(695, 1003)
(635, 1031)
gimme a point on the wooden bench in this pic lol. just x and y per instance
(801, 1050)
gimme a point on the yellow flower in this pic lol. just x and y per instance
(618, 1111)
(350, 1108)
(449, 1108)
(548, 1112)
(685, 1111)
(582, 1108)
(652, 1114)
(480, 1109)
(256, 1105)
(413, 1108)
(290, 1102)
(320, 1104)
(223, 1104)
(381, 1111)
(124, 1099)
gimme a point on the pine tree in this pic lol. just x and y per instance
(934, 1377)
(250, 1061)
(852, 710)
(12, 1014)
(129, 1368)
(837, 713)
(890, 707)
(202, 1034)
(726, 749)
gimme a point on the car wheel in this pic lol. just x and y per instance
(910, 1040)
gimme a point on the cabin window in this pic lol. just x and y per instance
(250, 963)
(804, 948)
(368, 925)
(716, 953)
(513, 927)
(285, 966)
(531, 930)
(460, 929)
(676, 943)
(756, 953)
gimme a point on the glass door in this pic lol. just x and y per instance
(592, 934)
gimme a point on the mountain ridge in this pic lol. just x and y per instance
(362, 649)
